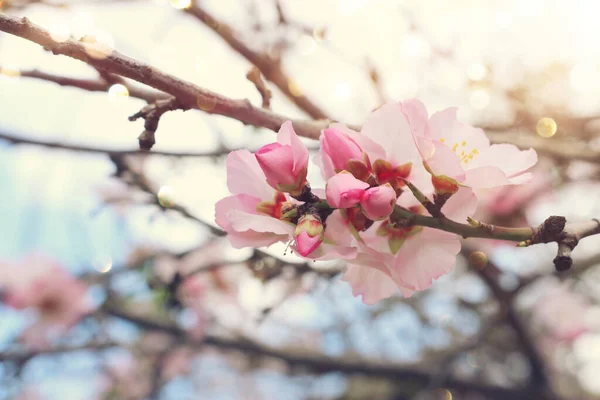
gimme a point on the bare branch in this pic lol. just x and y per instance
(188, 94)
(103, 150)
(151, 114)
(318, 362)
(254, 76)
(269, 67)
(22, 356)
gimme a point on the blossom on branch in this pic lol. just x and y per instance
(400, 166)
(456, 153)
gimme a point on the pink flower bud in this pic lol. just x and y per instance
(340, 148)
(344, 190)
(285, 163)
(308, 234)
(378, 202)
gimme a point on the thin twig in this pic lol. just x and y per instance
(151, 115)
(187, 93)
(265, 93)
(103, 150)
(270, 68)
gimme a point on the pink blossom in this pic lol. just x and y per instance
(378, 202)
(561, 312)
(460, 153)
(285, 163)
(308, 234)
(406, 258)
(340, 152)
(344, 190)
(40, 283)
(389, 153)
(251, 217)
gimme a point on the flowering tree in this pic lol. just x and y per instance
(398, 215)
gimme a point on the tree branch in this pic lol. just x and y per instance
(187, 93)
(269, 67)
(254, 76)
(103, 150)
(21, 356)
(318, 362)
(151, 115)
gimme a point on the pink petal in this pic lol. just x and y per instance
(243, 221)
(277, 164)
(242, 202)
(344, 190)
(507, 158)
(306, 244)
(388, 127)
(339, 148)
(287, 136)
(485, 177)
(416, 114)
(425, 257)
(240, 240)
(370, 283)
(244, 176)
(365, 142)
(441, 122)
(445, 162)
(378, 202)
(461, 205)
(337, 230)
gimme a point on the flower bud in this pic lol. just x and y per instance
(340, 148)
(285, 163)
(378, 202)
(308, 234)
(344, 190)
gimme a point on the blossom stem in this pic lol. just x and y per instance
(464, 230)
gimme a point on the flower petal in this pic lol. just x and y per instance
(425, 257)
(287, 136)
(389, 128)
(244, 176)
(416, 114)
(344, 190)
(507, 158)
(370, 283)
(461, 205)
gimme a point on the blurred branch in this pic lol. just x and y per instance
(103, 150)
(318, 362)
(187, 93)
(92, 85)
(254, 76)
(505, 299)
(270, 68)
(21, 356)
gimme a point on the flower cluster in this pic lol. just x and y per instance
(401, 163)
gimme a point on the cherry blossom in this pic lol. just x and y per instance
(458, 154)
(408, 258)
(285, 163)
(255, 215)
(40, 283)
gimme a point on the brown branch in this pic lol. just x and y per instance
(151, 115)
(92, 85)
(269, 67)
(505, 299)
(254, 76)
(103, 150)
(188, 94)
(21, 356)
(318, 362)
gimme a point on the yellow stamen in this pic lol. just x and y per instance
(464, 143)
(442, 140)
(455, 147)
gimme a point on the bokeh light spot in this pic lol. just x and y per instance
(294, 89)
(166, 196)
(546, 127)
(180, 4)
(103, 264)
(206, 103)
(118, 90)
(10, 71)
(478, 259)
